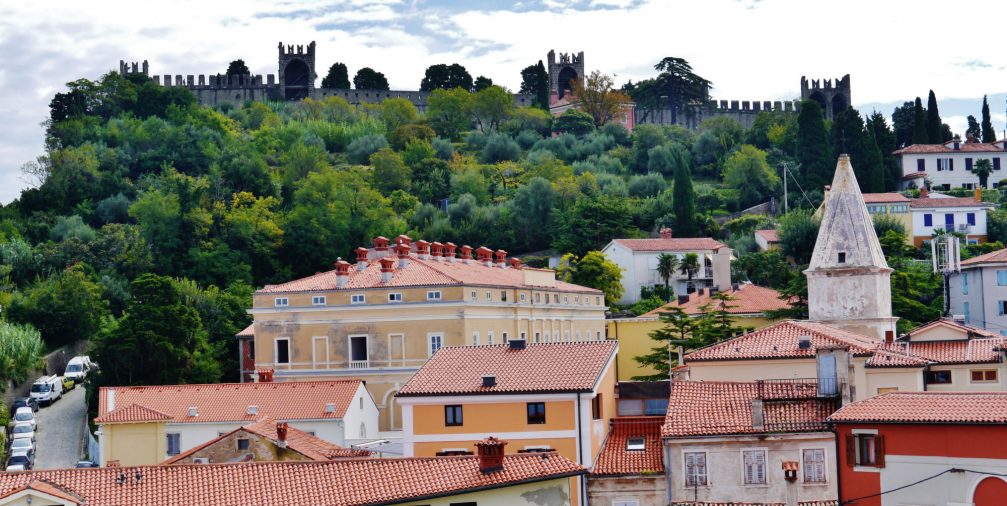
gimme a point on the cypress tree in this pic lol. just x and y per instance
(813, 149)
(684, 200)
(933, 120)
(989, 135)
(874, 162)
(543, 87)
(850, 136)
(919, 123)
(885, 140)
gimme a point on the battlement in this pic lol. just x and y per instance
(298, 50)
(133, 68)
(754, 106)
(218, 81)
(842, 83)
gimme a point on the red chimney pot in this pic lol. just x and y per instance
(361, 254)
(422, 247)
(501, 256)
(665, 233)
(342, 268)
(281, 431)
(380, 243)
(466, 252)
(403, 239)
(491, 454)
(515, 263)
(265, 375)
(436, 249)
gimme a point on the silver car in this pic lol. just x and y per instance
(27, 416)
(23, 431)
(22, 445)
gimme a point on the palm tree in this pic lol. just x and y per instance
(983, 168)
(666, 266)
(689, 265)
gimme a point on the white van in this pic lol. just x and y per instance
(76, 369)
(47, 389)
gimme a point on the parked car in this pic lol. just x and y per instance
(24, 401)
(24, 445)
(15, 467)
(77, 368)
(19, 460)
(85, 464)
(26, 415)
(47, 390)
(68, 384)
(23, 431)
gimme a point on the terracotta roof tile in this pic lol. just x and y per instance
(947, 202)
(248, 332)
(616, 460)
(750, 299)
(780, 341)
(963, 147)
(705, 408)
(966, 330)
(335, 483)
(132, 413)
(966, 351)
(769, 235)
(673, 244)
(927, 407)
(228, 402)
(885, 198)
(993, 257)
(540, 367)
(801, 503)
(45, 487)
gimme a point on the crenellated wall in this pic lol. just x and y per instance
(742, 111)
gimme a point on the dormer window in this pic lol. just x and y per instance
(842, 257)
(636, 443)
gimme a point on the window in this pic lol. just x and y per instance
(434, 295)
(655, 407)
(489, 296)
(524, 336)
(436, 341)
(630, 407)
(814, 465)
(1002, 306)
(885, 390)
(473, 295)
(538, 336)
(281, 302)
(597, 301)
(475, 339)
(576, 299)
(949, 220)
(695, 469)
(536, 412)
(547, 336)
(945, 164)
(938, 377)
(395, 297)
(920, 165)
(566, 299)
(357, 298)
(578, 336)
(755, 467)
(362, 433)
(453, 416)
(503, 336)
(596, 407)
(865, 450)
(636, 443)
(983, 375)
(242, 444)
(318, 300)
(489, 337)
(538, 298)
(965, 283)
(625, 502)
(174, 443)
(928, 220)
(996, 163)
(1002, 278)
(555, 298)
(358, 351)
(965, 310)
(282, 351)
(503, 295)
(970, 218)
(842, 257)
(968, 164)
(598, 335)
(522, 296)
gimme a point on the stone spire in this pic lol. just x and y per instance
(848, 279)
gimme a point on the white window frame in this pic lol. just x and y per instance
(503, 336)
(167, 444)
(474, 296)
(706, 470)
(276, 351)
(578, 336)
(318, 300)
(349, 348)
(765, 467)
(825, 466)
(355, 296)
(489, 337)
(475, 338)
(430, 342)
(281, 302)
(434, 295)
(395, 298)
(314, 359)
(522, 297)
(489, 295)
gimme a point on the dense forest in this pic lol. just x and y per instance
(152, 219)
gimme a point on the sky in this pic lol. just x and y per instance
(750, 49)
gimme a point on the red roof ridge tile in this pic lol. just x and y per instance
(132, 413)
(927, 407)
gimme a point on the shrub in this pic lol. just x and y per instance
(500, 148)
(405, 134)
(360, 150)
(647, 186)
(527, 138)
(443, 148)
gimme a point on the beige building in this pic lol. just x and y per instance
(892, 205)
(381, 318)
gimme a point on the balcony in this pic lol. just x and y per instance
(360, 364)
(797, 388)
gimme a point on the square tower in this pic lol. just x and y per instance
(297, 71)
(564, 73)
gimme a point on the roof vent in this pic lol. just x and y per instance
(489, 381)
(200, 460)
(330, 408)
(193, 411)
(516, 344)
(252, 410)
(804, 342)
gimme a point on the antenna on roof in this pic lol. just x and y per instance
(946, 258)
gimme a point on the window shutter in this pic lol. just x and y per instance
(951, 164)
(760, 474)
(879, 450)
(851, 450)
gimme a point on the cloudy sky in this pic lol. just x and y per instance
(750, 49)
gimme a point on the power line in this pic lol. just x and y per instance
(913, 484)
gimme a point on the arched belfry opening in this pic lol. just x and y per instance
(295, 80)
(832, 95)
(565, 73)
(567, 79)
(820, 98)
(838, 105)
(297, 71)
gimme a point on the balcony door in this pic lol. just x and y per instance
(358, 352)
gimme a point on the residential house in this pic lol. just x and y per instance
(638, 259)
(750, 443)
(630, 468)
(265, 440)
(143, 425)
(891, 205)
(539, 396)
(381, 318)
(978, 293)
(923, 448)
(487, 479)
(767, 240)
(949, 165)
(964, 215)
(748, 311)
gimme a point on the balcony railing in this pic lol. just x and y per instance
(797, 388)
(798, 415)
(360, 364)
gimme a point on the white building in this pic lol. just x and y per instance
(965, 215)
(950, 165)
(638, 260)
(979, 292)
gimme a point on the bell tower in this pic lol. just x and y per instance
(563, 73)
(297, 71)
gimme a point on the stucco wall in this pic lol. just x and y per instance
(649, 490)
(133, 444)
(957, 177)
(984, 297)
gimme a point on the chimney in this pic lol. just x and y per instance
(281, 434)
(466, 253)
(110, 397)
(485, 255)
(683, 299)
(665, 233)
(403, 239)
(381, 245)
(970, 138)
(449, 251)
(924, 193)
(361, 258)
(501, 258)
(758, 415)
(489, 381)
(491, 454)
(957, 143)
(265, 375)
(516, 344)
(804, 342)
(402, 252)
(436, 250)
(735, 287)
(193, 411)
(979, 194)
(515, 263)
(386, 269)
(342, 273)
(422, 249)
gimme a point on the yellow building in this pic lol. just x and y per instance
(749, 313)
(540, 397)
(380, 319)
(893, 205)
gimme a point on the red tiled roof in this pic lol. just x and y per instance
(540, 367)
(965, 351)
(974, 147)
(336, 483)
(673, 244)
(966, 330)
(749, 299)
(420, 272)
(228, 402)
(780, 341)
(947, 202)
(769, 235)
(248, 332)
(132, 413)
(707, 408)
(884, 198)
(800, 503)
(993, 257)
(915, 175)
(313, 448)
(615, 460)
(45, 487)
(927, 407)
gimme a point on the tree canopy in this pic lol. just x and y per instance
(370, 79)
(338, 77)
(446, 77)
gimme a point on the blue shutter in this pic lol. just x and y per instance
(928, 220)
(996, 163)
(949, 220)
(951, 164)
(920, 165)
(971, 218)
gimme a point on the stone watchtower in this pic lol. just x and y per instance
(297, 71)
(849, 281)
(564, 73)
(833, 99)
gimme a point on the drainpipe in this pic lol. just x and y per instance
(839, 475)
(580, 456)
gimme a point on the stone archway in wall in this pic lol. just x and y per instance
(820, 98)
(296, 77)
(393, 411)
(567, 77)
(991, 491)
(838, 105)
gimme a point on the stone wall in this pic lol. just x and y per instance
(54, 363)
(260, 449)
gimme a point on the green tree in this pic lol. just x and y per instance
(667, 264)
(390, 172)
(481, 83)
(66, 307)
(983, 168)
(590, 223)
(885, 139)
(237, 68)
(491, 107)
(597, 98)
(680, 85)
(934, 135)
(337, 78)
(593, 270)
(397, 112)
(748, 171)
(764, 268)
(370, 79)
(573, 122)
(542, 90)
(850, 136)
(677, 331)
(446, 77)
(531, 214)
(798, 233)
(973, 130)
(685, 204)
(21, 351)
(813, 150)
(689, 266)
(920, 133)
(449, 112)
(904, 124)
(989, 135)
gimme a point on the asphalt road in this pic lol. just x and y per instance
(61, 431)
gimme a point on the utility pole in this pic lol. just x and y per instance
(785, 171)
